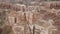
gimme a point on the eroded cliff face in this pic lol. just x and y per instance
(40, 19)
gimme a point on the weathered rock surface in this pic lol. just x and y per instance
(33, 19)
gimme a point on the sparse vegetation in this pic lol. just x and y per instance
(32, 16)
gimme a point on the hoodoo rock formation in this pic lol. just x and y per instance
(42, 19)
